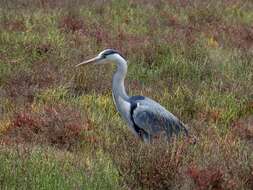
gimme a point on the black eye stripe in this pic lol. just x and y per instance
(110, 52)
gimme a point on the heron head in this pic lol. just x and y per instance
(106, 56)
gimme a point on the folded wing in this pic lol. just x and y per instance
(154, 119)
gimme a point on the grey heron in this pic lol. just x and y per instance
(145, 117)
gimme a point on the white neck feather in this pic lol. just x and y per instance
(120, 96)
(118, 85)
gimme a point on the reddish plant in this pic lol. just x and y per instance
(244, 128)
(208, 178)
(71, 23)
(60, 126)
(43, 49)
(15, 25)
(22, 86)
(149, 166)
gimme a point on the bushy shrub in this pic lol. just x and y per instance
(60, 126)
(209, 178)
(149, 166)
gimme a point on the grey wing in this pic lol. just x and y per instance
(153, 119)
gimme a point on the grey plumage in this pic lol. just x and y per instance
(145, 117)
(153, 119)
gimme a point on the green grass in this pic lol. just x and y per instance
(47, 168)
(194, 57)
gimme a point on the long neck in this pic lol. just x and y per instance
(118, 86)
(120, 97)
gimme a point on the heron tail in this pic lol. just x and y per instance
(184, 128)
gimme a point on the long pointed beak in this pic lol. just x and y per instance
(90, 61)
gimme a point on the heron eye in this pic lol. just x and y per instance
(104, 56)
